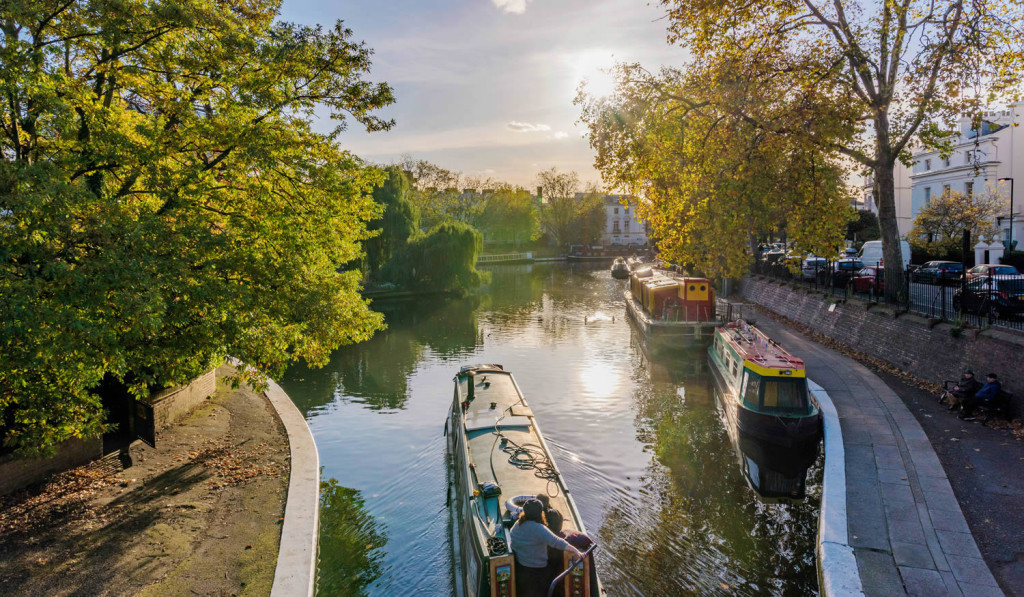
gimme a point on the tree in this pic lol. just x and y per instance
(862, 80)
(443, 260)
(568, 215)
(939, 225)
(400, 220)
(165, 201)
(708, 186)
(441, 194)
(511, 214)
(863, 227)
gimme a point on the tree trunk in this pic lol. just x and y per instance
(885, 193)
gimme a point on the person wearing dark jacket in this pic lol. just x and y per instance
(987, 395)
(964, 389)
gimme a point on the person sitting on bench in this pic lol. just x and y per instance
(986, 396)
(962, 390)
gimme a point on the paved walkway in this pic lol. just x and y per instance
(905, 525)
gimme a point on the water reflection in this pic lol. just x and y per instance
(376, 373)
(351, 543)
(637, 436)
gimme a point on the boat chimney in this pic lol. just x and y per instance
(470, 387)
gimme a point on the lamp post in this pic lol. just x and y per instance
(1009, 245)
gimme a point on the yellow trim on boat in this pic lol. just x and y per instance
(772, 371)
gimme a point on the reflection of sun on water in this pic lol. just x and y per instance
(600, 380)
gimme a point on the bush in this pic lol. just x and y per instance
(1014, 258)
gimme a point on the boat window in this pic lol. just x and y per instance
(787, 395)
(750, 397)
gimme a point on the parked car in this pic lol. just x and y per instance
(1003, 295)
(990, 269)
(870, 280)
(843, 271)
(938, 272)
(811, 267)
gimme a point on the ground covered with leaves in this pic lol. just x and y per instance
(200, 515)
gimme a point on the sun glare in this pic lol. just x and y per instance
(593, 66)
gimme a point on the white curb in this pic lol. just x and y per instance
(837, 564)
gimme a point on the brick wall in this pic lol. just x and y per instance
(914, 344)
(18, 473)
(173, 403)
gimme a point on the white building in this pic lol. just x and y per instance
(976, 163)
(622, 225)
(979, 159)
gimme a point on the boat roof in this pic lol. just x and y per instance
(754, 346)
(512, 419)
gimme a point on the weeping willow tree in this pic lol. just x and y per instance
(710, 181)
(443, 260)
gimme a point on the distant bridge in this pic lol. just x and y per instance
(506, 258)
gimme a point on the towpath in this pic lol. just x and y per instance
(903, 520)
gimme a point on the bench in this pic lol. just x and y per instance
(1000, 406)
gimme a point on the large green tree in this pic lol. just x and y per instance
(865, 79)
(165, 201)
(569, 215)
(511, 214)
(401, 219)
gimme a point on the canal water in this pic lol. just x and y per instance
(638, 437)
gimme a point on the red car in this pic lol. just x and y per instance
(870, 280)
(990, 269)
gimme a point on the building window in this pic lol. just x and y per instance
(969, 189)
(927, 195)
(968, 157)
(927, 164)
(626, 211)
(945, 162)
(945, 189)
(615, 227)
(625, 226)
(616, 211)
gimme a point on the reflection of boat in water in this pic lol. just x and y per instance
(671, 312)
(763, 389)
(496, 451)
(620, 271)
(773, 471)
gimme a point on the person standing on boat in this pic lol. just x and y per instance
(530, 541)
(552, 517)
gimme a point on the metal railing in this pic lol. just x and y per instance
(575, 563)
(505, 257)
(983, 301)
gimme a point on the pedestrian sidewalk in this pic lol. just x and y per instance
(904, 522)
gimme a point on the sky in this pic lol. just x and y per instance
(486, 87)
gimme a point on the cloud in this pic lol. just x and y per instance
(514, 6)
(561, 135)
(527, 127)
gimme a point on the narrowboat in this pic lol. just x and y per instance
(620, 271)
(763, 388)
(497, 458)
(671, 312)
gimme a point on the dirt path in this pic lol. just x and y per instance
(199, 516)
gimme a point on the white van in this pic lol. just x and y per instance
(871, 252)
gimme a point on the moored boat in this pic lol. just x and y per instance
(620, 270)
(763, 389)
(497, 459)
(671, 312)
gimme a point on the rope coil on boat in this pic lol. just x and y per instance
(496, 546)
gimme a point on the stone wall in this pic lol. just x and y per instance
(173, 403)
(169, 406)
(17, 473)
(926, 350)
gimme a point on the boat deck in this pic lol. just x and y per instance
(512, 418)
(754, 346)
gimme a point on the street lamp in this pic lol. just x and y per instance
(1009, 245)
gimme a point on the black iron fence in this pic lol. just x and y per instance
(978, 301)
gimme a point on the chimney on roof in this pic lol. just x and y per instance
(540, 192)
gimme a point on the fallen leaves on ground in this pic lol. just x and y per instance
(65, 495)
(230, 464)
